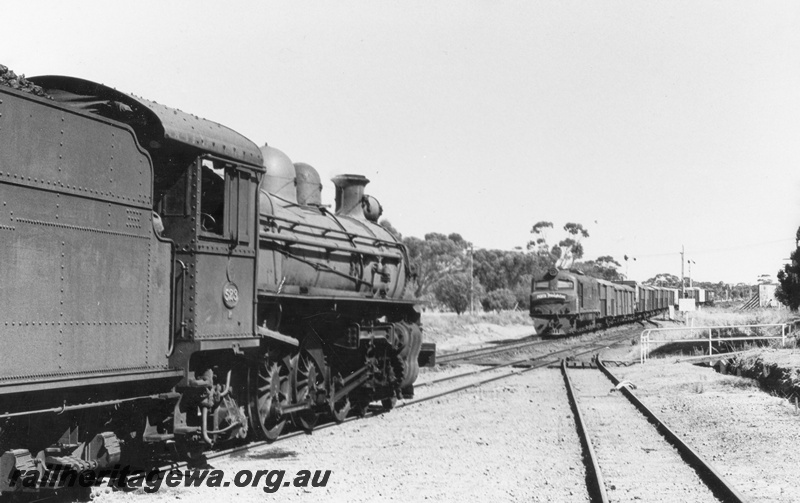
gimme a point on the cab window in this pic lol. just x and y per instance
(212, 197)
(541, 285)
(225, 206)
(565, 284)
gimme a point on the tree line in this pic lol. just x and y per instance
(449, 271)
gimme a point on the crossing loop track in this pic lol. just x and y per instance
(621, 431)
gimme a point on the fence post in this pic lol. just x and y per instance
(642, 351)
(644, 346)
(783, 335)
(709, 341)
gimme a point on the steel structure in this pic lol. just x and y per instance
(170, 286)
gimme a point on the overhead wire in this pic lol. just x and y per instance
(715, 250)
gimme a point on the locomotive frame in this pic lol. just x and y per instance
(170, 287)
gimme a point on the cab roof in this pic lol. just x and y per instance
(155, 125)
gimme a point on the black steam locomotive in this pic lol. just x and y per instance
(169, 286)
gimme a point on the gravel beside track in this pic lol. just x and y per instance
(750, 436)
(637, 463)
(512, 440)
(487, 350)
(515, 440)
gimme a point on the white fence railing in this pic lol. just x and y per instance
(652, 337)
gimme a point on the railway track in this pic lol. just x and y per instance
(528, 341)
(676, 473)
(513, 368)
(525, 343)
(516, 367)
(629, 453)
(620, 481)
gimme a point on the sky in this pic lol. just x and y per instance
(658, 125)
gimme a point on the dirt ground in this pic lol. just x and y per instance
(636, 462)
(515, 440)
(750, 436)
(453, 333)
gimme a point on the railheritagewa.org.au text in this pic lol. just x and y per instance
(151, 481)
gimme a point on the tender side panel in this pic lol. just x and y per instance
(77, 277)
(52, 147)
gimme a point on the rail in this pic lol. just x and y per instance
(487, 350)
(650, 336)
(713, 478)
(597, 486)
(536, 362)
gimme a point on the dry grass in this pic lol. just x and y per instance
(439, 327)
(737, 383)
(720, 317)
(503, 318)
(716, 316)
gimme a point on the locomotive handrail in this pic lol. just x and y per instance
(645, 339)
(350, 235)
(171, 346)
(325, 267)
(327, 246)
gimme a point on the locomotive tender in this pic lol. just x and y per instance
(566, 301)
(168, 286)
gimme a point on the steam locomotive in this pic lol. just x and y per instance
(567, 301)
(170, 287)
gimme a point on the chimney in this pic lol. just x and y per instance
(349, 195)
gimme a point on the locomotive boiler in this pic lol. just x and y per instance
(169, 286)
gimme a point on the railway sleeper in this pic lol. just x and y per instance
(57, 467)
(580, 365)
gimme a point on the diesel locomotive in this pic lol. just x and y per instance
(565, 301)
(168, 286)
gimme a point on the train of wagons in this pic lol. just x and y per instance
(566, 301)
(170, 287)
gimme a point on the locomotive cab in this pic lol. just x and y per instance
(564, 301)
(209, 212)
(554, 302)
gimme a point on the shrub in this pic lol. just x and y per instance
(454, 291)
(499, 300)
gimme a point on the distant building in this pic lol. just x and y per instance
(766, 296)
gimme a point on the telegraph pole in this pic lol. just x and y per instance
(683, 285)
(471, 279)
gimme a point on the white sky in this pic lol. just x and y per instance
(654, 124)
